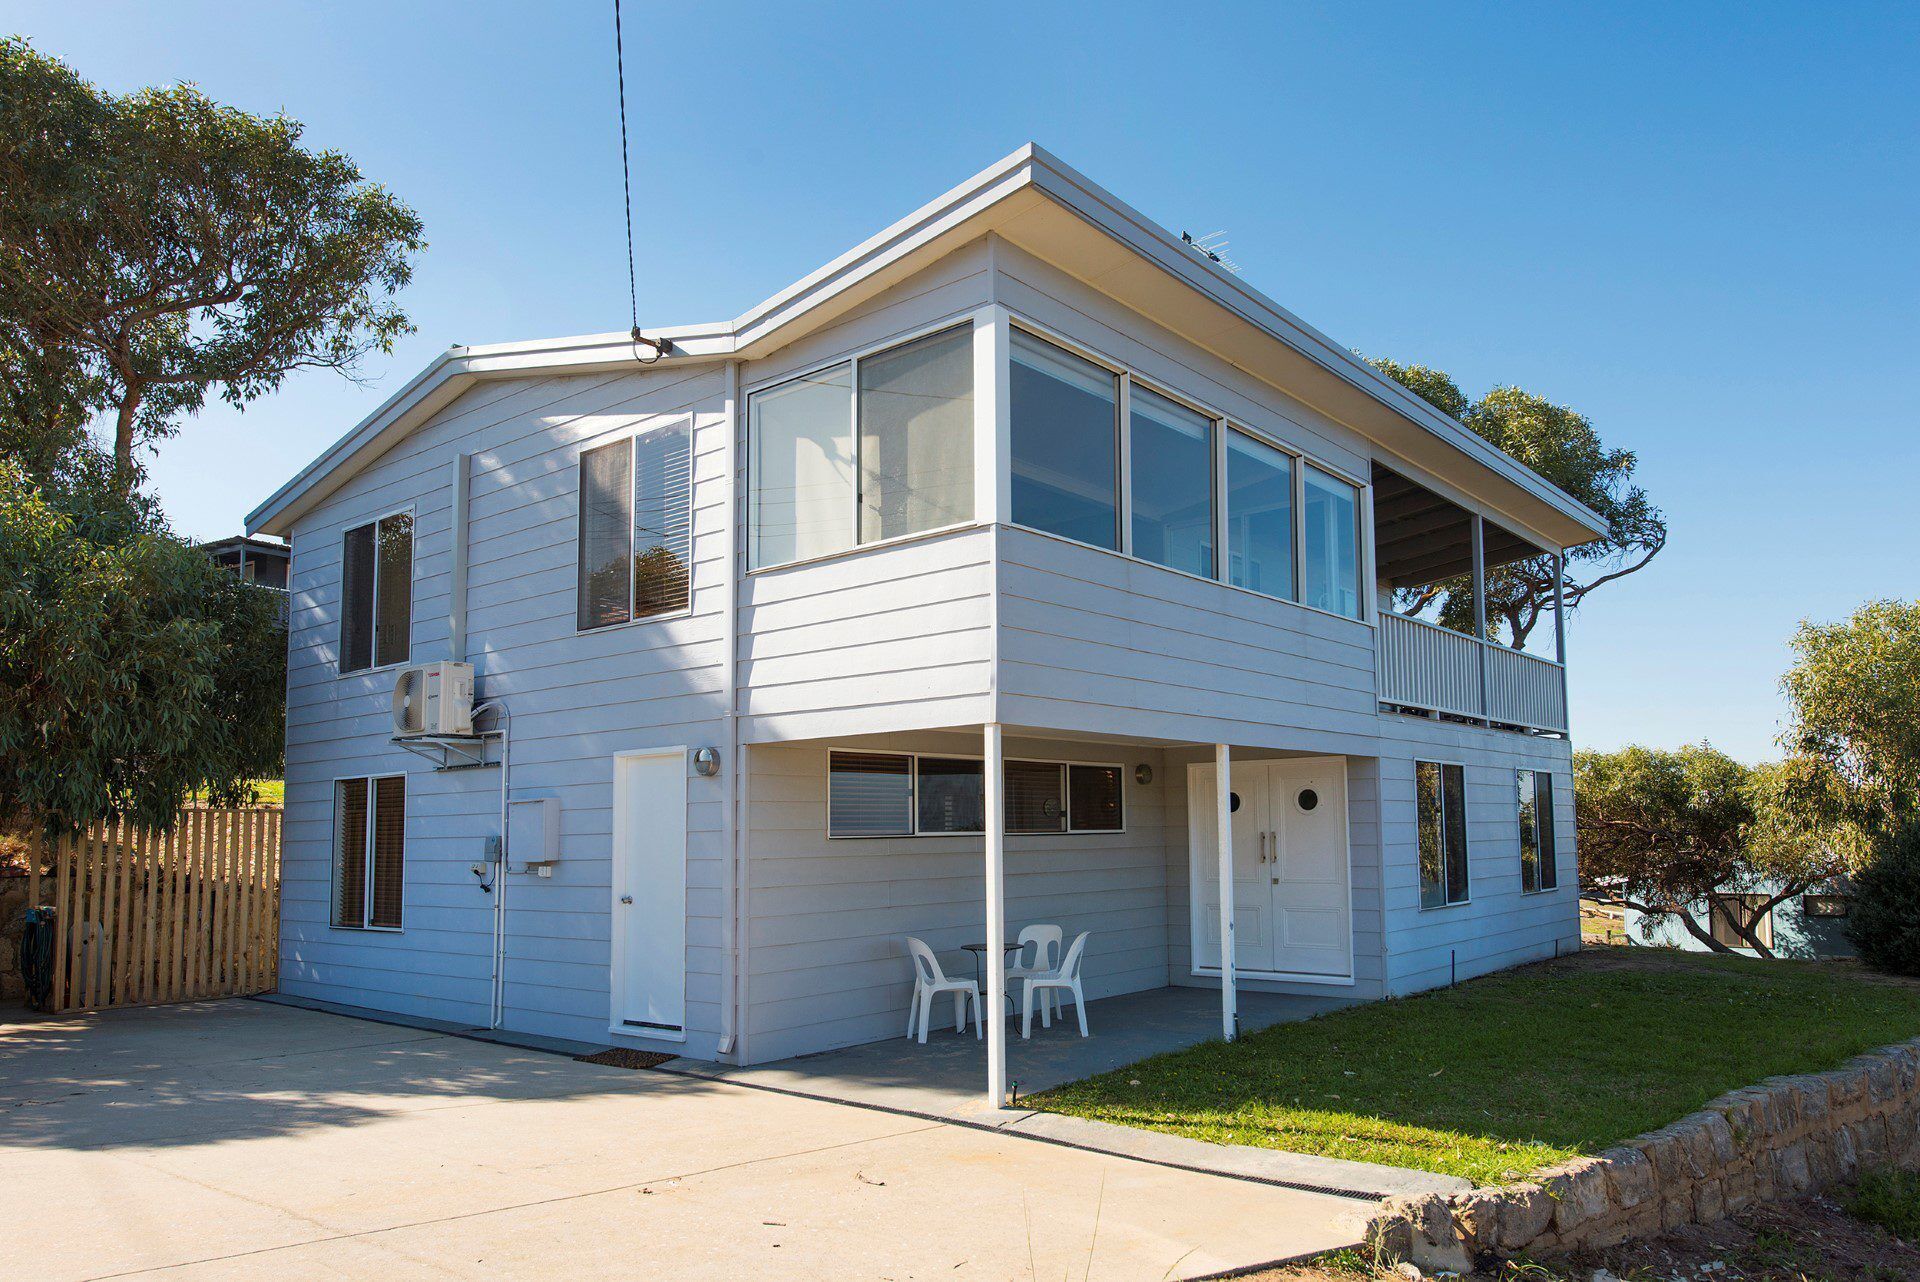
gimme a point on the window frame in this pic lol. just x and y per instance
(1546, 838)
(1828, 901)
(1066, 788)
(366, 925)
(971, 322)
(632, 441)
(341, 671)
(1224, 424)
(1466, 835)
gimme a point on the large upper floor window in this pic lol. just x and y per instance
(873, 448)
(1441, 794)
(636, 527)
(369, 852)
(1172, 468)
(1066, 443)
(1330, 552)
(1291, 528)
(1539, 861)
(376, 593)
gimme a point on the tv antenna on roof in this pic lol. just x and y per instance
(1211, 247)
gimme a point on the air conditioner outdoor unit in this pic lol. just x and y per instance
(433, 699)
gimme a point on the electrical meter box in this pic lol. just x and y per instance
(533, 835)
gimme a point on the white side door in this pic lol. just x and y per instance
(650, 893)
(1310, 879)
(1252, 898)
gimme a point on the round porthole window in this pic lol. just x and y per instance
(1307, 799)
(1233, 802)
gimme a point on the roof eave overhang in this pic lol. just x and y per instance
(1047, 208)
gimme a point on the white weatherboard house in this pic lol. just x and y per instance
(991, 574)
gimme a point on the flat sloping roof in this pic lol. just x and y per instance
(1033, 200)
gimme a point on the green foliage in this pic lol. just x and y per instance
(1889, 1197)
(1499, 1076)
(1853, 689)
(1885, 922)
(1662, 831)
(135, 672)
(158, 247)
(1561, 445)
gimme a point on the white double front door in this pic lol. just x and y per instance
(1292, 894)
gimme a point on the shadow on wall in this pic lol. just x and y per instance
(205, 1072)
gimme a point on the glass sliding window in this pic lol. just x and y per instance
(369, 852)
(953, 796)
(1330, 568)
(603, 583)
(376, 593)
(1066, 463)
(1172, 477)
(1094, 799)
(636, 528)
(663, 520)
(1036, 796)
(916, 436)
(1259, 516)
(1441, 809)
(801, 456)
(1547, 871)
(1529, 832)
(869, 794)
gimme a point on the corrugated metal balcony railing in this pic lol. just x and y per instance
(1433, 668)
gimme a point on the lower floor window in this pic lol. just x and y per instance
(1441, 791)
(1729, 914)
(1825, 905)
(1538, 870)
(369, 851)
(878, 794)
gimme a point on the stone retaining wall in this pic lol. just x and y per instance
(1782, 1138)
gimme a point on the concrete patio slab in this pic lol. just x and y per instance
(233, 1138)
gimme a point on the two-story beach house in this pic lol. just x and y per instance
(1022, 564)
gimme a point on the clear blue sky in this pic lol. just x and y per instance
(1698, 224)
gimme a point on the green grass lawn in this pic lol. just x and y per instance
(1500, 1076)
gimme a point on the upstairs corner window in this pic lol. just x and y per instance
(1172, 470)
(1066, 444)
(916, 437)
(874, 448)
(1259, 516)
(1330, 561)
(376, 612)
(369, 852)
(636, 527)
(1538, 869)
(1441, 795)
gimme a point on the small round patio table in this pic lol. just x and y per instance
(979, 952)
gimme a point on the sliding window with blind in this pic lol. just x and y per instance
(376, 593)
(369, 852)
(636, 528)
(897, 794)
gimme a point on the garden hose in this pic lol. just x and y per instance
(36, 956)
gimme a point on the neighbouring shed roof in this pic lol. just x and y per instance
(1031, 199)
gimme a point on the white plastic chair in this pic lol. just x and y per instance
(929, 981)
(1067, 978)
(1046, 941)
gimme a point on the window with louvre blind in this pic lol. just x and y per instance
(904, 794)
(635, 552)
(376, 593)
(369, 852)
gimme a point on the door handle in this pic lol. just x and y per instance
(626, 899)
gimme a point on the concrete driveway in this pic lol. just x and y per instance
(238, 1138)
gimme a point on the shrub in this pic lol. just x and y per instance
(1890, 1198)
(1885, 922)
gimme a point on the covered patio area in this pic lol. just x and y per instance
(942, 1078)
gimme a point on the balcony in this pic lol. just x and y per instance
(1435, 669)
(1429, 549)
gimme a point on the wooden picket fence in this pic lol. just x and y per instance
(145, 915)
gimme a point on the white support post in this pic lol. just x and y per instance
(1560, 639)
(996, 962)
(1480, 611)
(1223, 840)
